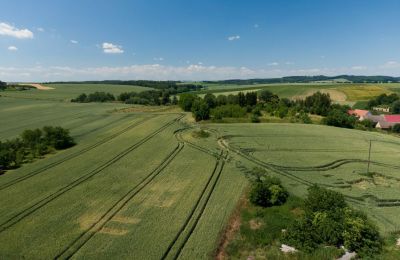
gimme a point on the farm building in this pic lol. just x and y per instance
(388, 122)
(360, 114)
(382, 109)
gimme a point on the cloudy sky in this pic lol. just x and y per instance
(193, 40)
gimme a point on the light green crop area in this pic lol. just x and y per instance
(65, 92)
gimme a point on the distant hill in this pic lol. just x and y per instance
(310, 79)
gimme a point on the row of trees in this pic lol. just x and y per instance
(329, 221)
(3, 85)
(94, 97)
(254, 102)
(32, 144)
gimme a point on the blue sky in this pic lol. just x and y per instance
(192, 40)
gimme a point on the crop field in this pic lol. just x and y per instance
(141, 183)
(302, 155)
(65, 92)
(135, 185)
(340, 92)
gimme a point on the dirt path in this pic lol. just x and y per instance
(38, 86)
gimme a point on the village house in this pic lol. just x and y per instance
(388, 122)
(360, 114)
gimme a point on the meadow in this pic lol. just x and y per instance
(142, 182)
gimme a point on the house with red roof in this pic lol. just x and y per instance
(388, 122)
(361, 114)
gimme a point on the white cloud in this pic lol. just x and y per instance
(233, 37)
(273, 63)
(391, 65)
(158, 59)
(166, 72)
(12, 48)
(9, 30)
(359, 68)
(73, 41)
(112, 48)
(40, 29)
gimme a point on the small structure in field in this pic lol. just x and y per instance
(382, 109)
(288, 249)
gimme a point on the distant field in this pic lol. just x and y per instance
(65, 92)
(341, 92)
(335, 158)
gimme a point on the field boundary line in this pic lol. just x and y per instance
(79, 242)
(28, 211)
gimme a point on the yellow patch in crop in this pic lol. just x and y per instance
(363, 185)
(363, 92)
(126, 220)
(86, 220)
(113, 231)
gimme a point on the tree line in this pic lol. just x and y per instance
(148, 97)
(32, 144)
(172, 86)
(391, 101)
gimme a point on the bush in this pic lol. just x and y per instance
(94, 97)
(254, 118)
(268, 192)
(228, 111)
(200, 110)
(339, 118)
(186, 101)
(396, 128)
(329, 221)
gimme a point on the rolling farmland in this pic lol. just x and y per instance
(141, 184)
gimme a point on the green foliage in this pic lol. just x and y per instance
(395, 109)
(268, 191)
(94, 97)
(328, 220)
(255, 118)
(267, 96)
(339, 118)
(396, 128)
(186, 101)
(235, 111)
(200, 110)
(33, 143)
(318, 103)
(211, 100)
(383, 99)
(3, 85)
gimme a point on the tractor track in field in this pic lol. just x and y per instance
(218, 168)
(335, 164)
(41, 203)
(178, 136)
(84, 237)
(101, 127)
(71, 156)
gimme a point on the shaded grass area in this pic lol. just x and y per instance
(261, 229)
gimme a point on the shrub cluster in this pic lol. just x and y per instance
(32, 144)
(94, 97)
(328, 220)
(268, 191)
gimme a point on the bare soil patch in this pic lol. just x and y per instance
(38, 86)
